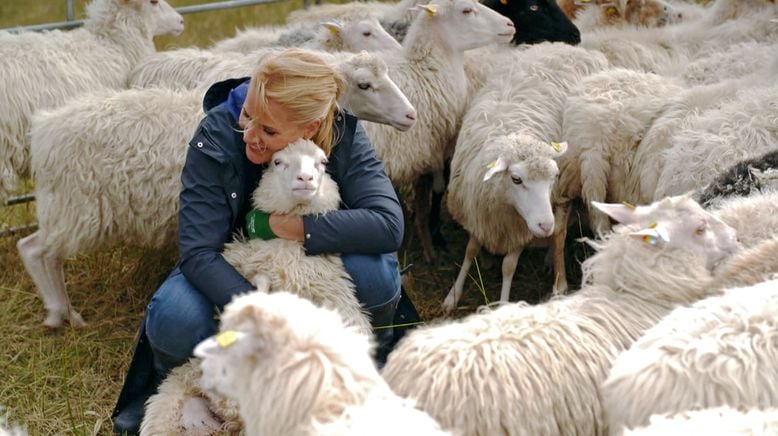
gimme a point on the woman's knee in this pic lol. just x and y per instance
(178, 318)
(375, 276)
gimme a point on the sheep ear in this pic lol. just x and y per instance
(623, 213)
(334, 26)
(431, 9)
(217, 344)
(495, 167)
(656, 235)
(559, 147)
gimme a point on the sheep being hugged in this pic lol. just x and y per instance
(295, 183)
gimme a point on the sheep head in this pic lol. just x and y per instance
(526, 170)
(296, 182)
(281, 357)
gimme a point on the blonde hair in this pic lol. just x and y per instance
(305, 85)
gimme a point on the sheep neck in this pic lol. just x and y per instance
(128, 30)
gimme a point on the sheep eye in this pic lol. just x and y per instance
(534, 8)
(277, 162)
(516, 180)
(363, 86)
(467, 11)
(154, 2)
(700, 231)
(323, 162)
(366, 33)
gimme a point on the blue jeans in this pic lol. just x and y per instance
(179, 316)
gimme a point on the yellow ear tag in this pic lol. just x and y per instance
(652, 226)
(611, 11)
(431, 10)
(491, 164)
(226, 338)
(333, 30)
(557, 147)
(629, 205)
(649, 240)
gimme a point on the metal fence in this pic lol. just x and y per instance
(71, 23)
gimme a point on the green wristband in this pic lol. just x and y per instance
(258, 225)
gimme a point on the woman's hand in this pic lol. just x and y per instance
(288, 227)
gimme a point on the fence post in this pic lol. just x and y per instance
(70, 13)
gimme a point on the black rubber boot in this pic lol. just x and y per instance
(382, 320)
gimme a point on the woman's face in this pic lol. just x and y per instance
(271, 130)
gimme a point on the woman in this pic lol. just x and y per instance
(291, 95)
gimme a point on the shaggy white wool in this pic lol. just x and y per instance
(43, 70)
(721, 351)
(721, 421)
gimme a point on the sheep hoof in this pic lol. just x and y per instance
(54, 319)
(76, 321)
(449, 304)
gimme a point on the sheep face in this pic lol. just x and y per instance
(677, 222)
(365, 34)
(528, 175)
(302, 165)
(169, 22)
(467, 24)
(372, 96)
(537, 21)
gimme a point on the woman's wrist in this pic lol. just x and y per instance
(288, 227)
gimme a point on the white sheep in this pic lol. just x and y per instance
(296, 369)
(430, 71)
(350, 33)
(521, 370)
(295, 183)
(44, 70)
(708, 142)
(721, 351)
(720, 421)
(525, 95)
(126, 191)
(605, 118)
(755, 217)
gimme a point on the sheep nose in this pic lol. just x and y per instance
(411, 116)
(546, 227)
(510, 24)
(305, 177)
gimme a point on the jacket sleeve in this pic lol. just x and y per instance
(204, 228)
(372, 220)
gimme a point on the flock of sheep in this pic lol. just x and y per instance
(657, 103)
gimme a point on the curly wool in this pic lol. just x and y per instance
(537, 369)
(719, 421)
(721, 351)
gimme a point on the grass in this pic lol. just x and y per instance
(66, 382)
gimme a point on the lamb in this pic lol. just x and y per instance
(351, 33)
(721, 351)
(749, 176)
(85, 204)
(430, 72)
(719, 421)
(525, 96)
(536, 370)
(296, 369)
(44, 70)
(276, 265)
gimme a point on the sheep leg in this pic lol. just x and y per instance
(56, 273)
(509, 263)
(421, 207)
(561, 216)
(450, 303)
(32, 252)
(438, 188)
(595, 171)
